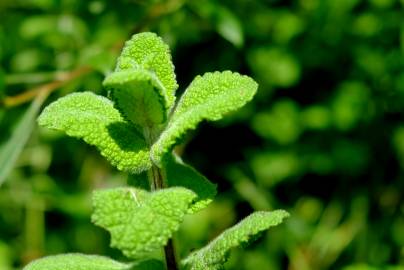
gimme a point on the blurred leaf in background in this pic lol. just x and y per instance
(324, 138)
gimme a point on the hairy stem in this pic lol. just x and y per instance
(169, 251)
(157, 178)
(157, 182)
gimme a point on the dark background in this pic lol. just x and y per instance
(323, 138)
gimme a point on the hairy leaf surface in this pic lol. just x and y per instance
(139, 96)
(148, 51)
(208, 97)
(214, 255)
(139, 221)
(76, 262)
(94, 119)
(183, 175)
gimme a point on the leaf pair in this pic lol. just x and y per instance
(130, 132)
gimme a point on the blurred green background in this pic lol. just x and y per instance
(324, 137)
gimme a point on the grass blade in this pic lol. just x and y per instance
(11, 150)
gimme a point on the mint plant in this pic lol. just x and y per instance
(136, 133)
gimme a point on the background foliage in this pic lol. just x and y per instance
(324, 138)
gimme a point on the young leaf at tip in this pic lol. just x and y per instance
(208, 97)
(214, 255)
(140, 222)
(139, 96)
(76, 262)
(179, 174)
(148, 51)
(94, 119)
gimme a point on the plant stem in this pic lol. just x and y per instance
(169, 251)
(157, 182)
(48, 87)
(157, 178)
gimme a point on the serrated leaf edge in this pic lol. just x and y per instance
(157, 150)
(200, 254)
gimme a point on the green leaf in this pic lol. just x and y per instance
(151, 264)
(140, 180)
(76, 262)
(229, 26)
(139, 96)
(183, 175)
(208, 97)
(226, 23)
(148, 51)
(94, 119)
(139, 221)
(215, 254)
(11, 150)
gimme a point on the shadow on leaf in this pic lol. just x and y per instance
(126, 137)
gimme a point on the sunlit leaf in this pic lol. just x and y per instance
(148, 51)
(139, 221)
(76, 262)
(208, 97)
(215, 254)
(94, 119)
